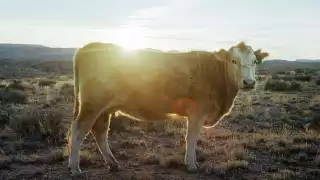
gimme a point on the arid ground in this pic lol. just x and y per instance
(273, 132)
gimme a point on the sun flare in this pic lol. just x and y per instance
(130, 38)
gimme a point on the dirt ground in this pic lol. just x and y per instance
(268, 135)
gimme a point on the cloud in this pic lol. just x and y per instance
(162, 12)
(149, 13)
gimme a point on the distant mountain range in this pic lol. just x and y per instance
(34, 52)
(39, 52)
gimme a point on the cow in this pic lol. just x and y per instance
(147, 85)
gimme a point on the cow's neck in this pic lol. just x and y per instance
(222, 101)
(231, 87)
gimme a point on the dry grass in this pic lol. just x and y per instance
(35, 122)
(269, 134)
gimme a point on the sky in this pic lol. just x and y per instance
(287, 29)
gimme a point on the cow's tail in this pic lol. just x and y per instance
(76, 96)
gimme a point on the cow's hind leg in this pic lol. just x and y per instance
(88, 113)
(100, 132)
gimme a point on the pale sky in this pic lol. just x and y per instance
(287, 29)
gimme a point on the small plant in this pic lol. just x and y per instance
(46, 82)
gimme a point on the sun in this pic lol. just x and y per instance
(130, 38)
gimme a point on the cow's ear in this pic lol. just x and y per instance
(257, 52)
(264, 55)
(260, 56)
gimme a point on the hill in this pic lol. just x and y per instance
(284, 65)
(34, 52)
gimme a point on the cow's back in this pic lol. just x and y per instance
(105, 68)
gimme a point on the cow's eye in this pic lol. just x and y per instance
(234, 61)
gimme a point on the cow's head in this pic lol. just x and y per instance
(248, 60)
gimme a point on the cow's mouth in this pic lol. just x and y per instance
(248, 87)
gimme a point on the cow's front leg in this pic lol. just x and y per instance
(193, 132)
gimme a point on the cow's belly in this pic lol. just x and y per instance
(157, 109)
(144, 114)
(146, 110)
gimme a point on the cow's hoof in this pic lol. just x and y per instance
(81, 175)
(192, 168)
(76, 173)
(115, 167)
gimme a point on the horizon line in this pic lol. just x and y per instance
(74, 47)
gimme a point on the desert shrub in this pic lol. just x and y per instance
(318, 81)
(287, 78)
(5, 114)
(303, 78)
(16, 84)
(261, 78)
(66, 90)
(291, 78)
(2, 86)
(299, 70)
(283, 77)
(46, 82)
(281, 85)
(276, 85)
(275, 76)
(295, 86)
(43, 123)
(8, 95)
